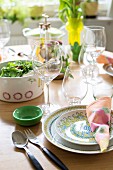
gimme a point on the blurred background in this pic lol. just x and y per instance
(28, 14)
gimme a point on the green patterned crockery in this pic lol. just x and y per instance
(74, 127)
(49, 130)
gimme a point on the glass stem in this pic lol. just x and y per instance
(47, 101)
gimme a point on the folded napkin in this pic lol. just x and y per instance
(105, 58)
(98, 114)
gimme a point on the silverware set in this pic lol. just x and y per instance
(21, 139)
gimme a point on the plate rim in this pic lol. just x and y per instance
(66, 148)
(104, 67)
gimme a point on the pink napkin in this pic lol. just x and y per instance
(98, 114)
(105, 58)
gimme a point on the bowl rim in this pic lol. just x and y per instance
(23, 77)
(28, 119)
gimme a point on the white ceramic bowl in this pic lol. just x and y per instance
(19, 89)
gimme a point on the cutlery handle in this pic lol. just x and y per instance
(54, 158)
(33, 160)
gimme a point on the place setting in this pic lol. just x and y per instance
(72, 128)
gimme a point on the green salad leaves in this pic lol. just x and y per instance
(16, 69)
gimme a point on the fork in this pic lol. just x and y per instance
(34, 139)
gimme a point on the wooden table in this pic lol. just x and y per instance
(16, 159)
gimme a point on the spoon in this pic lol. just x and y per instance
(20, 141)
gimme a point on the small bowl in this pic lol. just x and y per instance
(27, 115)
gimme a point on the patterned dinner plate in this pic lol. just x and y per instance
(74, 127)
(49, 130)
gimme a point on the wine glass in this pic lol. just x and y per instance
(94, 43)
(89, 70)
(73, 86)
(47, 64)
(4, 35)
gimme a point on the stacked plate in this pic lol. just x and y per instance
(68, 129)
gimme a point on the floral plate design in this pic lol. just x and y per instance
(74, 127)
(49, 130)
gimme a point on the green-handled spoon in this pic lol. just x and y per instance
(21, 141)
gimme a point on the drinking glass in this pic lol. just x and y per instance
(4, 35)
(47, 64)
(73, 86)
(94, 43)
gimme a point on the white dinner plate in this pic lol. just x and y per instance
(49, 130)
(108, 68)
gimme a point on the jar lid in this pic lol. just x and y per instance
(36, 32)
